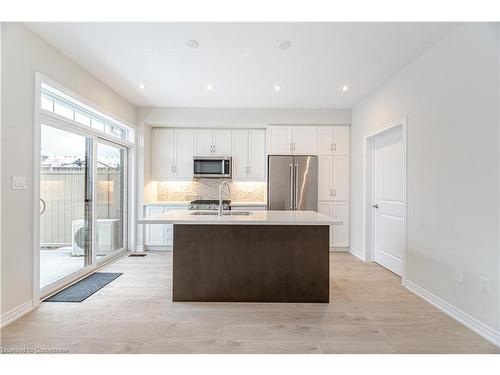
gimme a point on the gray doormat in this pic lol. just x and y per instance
(83, 289)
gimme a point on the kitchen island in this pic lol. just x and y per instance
(258, 256)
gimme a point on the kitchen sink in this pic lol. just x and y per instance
(225, 213)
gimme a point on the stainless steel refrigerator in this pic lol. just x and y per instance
(292, 183)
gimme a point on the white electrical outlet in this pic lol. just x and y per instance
(484, 285)
(459, 274)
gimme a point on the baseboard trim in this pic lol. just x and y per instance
(16, 313)
(358, 254)
(470, 322)
(339, 249)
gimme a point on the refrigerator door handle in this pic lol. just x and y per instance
(291, 187)
(296, 175)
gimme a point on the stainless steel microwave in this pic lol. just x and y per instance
(212, 166)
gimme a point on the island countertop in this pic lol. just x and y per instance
(256, 218)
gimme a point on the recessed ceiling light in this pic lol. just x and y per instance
(210, 87)
(192, 43)
(277, 87)
(141, 86)
(345, 88)
(285, 44)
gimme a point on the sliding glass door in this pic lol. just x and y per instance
(83, 218)
(111, 202)
(66, 214)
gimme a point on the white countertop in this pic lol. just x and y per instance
(257, 218)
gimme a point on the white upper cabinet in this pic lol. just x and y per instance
(341, 140)
(249, 155)
(162, 153)
(172, 154)
(288, 140)
(240, 154)
(280, 140)
(325, 140)
(341, 178)
(304, 140)
(184, 152)
(203, 142)
(257, 155)
(334, 140)
(211, 142)
(222, 142)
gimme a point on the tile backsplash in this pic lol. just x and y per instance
(207, 188)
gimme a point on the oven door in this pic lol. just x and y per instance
(217, 167)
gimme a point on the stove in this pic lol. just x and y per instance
(209, 204)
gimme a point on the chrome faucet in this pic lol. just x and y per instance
(221, 207)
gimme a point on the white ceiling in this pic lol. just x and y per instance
(242, 61)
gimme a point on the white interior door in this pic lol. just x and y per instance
(388, 202)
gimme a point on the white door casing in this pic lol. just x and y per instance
(389, 199)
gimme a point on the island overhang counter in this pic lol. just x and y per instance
(265, 256)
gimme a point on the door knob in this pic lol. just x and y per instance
(375, 205)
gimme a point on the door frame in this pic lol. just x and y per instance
(368, 191)
(64, 124)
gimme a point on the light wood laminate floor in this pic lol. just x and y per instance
(369, 312)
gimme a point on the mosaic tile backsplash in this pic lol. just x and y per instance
(208, 189)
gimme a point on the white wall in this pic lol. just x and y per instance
(24, 53)
(450, 95)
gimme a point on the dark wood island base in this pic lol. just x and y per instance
(251, 263)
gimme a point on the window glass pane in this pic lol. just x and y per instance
(47, 103)
(98, 125)
(110, 198)
(65, 105)
(82, 118)
(63, 110)
(65, 203)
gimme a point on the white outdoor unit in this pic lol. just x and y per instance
(108, 236)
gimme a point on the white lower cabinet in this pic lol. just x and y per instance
(159, 236)
(339, 234)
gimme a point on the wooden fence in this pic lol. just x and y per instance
(62, 190)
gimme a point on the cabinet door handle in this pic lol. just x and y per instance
(249, 169)
(334, 147)
(331, 192)
(334, 192)
(331, 146)
(291, 146)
